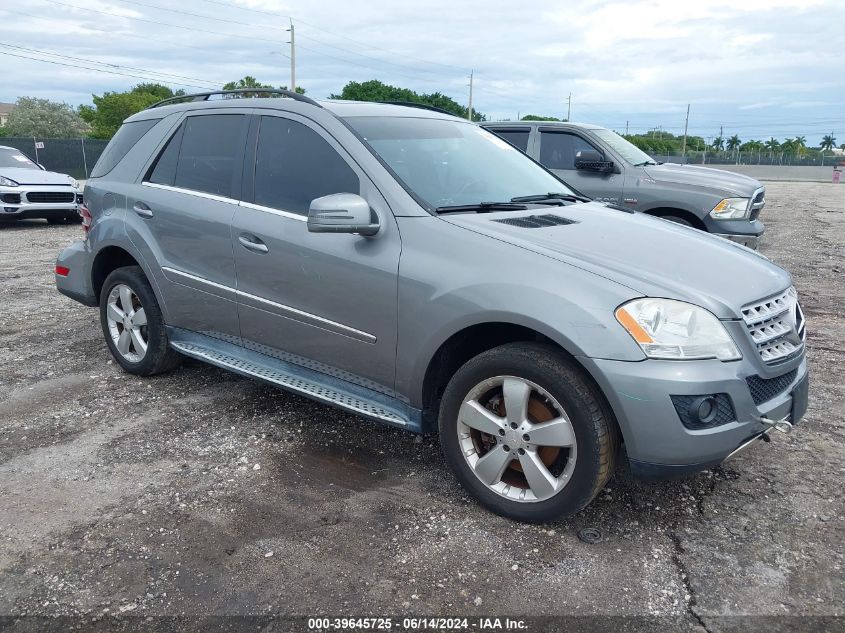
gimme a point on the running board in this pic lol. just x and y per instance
(306, 382)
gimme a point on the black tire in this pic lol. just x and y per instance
(73, 218)
(595, 430)
(677, 220)
(159, 356)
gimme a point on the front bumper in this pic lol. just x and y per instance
(657, 443)
(751, 241)
(747, 233)
(15, 202)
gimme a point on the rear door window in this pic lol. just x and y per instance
(209, 154)
(205, 154)
(558, 149)
(124, 140)
(516, 136)
(294, 165)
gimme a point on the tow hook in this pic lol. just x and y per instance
(784, 425)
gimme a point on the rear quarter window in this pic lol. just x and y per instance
(125, 139)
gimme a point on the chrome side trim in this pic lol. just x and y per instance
(284, 214)
(286, 311)
(190, 192)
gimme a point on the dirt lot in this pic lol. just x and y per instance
(202, 493)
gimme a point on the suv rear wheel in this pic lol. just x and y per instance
(133, 324)
(526, 434)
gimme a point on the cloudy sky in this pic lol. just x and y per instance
(759, 68)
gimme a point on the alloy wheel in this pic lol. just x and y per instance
(127, 323)
(517, 439)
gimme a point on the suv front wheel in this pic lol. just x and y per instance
(526, 434)
(134, 325)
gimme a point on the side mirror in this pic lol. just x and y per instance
(591, 160)
(342, 213)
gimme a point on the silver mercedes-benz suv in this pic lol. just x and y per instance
(413, 268)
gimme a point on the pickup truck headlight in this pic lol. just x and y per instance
(7, 182)
(73, 182)
(731, 209)
(670, 329)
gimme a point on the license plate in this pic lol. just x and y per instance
(799, 399)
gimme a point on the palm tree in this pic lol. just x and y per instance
(718, 143)
(772, 145)
(800, 145)
(828, 142)
(733, 143)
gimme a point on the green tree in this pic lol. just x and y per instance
(733, 143)
(251, 82)
(111, 108)
(772, 145)
(718, 143)
(375, 90)
(43, 118)
(828, 142)
(534, 117)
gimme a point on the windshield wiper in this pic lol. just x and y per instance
(482, 207)
(551, 198)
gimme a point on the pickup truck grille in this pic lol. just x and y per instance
(776, 326)
(758, 201)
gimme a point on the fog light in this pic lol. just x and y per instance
(704, 411)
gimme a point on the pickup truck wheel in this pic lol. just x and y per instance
(526, 434)
(133, 324)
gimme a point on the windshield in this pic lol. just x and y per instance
(14, 158)
(627, 150)
(447, 163)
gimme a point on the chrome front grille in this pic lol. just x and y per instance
(776, 326)
(758, 201)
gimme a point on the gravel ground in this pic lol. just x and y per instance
(201, 493)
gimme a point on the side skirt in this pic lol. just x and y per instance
(301, 380)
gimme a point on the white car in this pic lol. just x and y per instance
(27, 190)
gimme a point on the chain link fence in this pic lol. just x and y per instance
(73, 156)
(750, 158)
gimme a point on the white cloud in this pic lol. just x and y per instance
(745, 65)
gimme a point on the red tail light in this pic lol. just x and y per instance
(62, 271)
(86, 218)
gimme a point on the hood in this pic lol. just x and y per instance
(24, 176)
(736, 185)
(653, 257)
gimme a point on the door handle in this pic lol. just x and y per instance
(252, 243)
(143, 210)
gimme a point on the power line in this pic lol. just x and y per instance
(339, 35)
(94, 61)
(102, 70)
(176, 26)
(203, 16)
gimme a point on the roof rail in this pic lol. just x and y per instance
(422, 106)
(203, 96)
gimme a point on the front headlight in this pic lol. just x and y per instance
(73, 182)
(7, 182)
(665, 328)
(731, 209)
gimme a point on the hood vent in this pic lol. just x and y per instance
(536, 221)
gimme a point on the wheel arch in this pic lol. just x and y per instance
(470, 340)
(113, 256)
(687, 215)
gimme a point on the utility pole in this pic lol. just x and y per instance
(569, 107)
(469, 110)
(626, 128)
(686, 126)
(292, 58)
